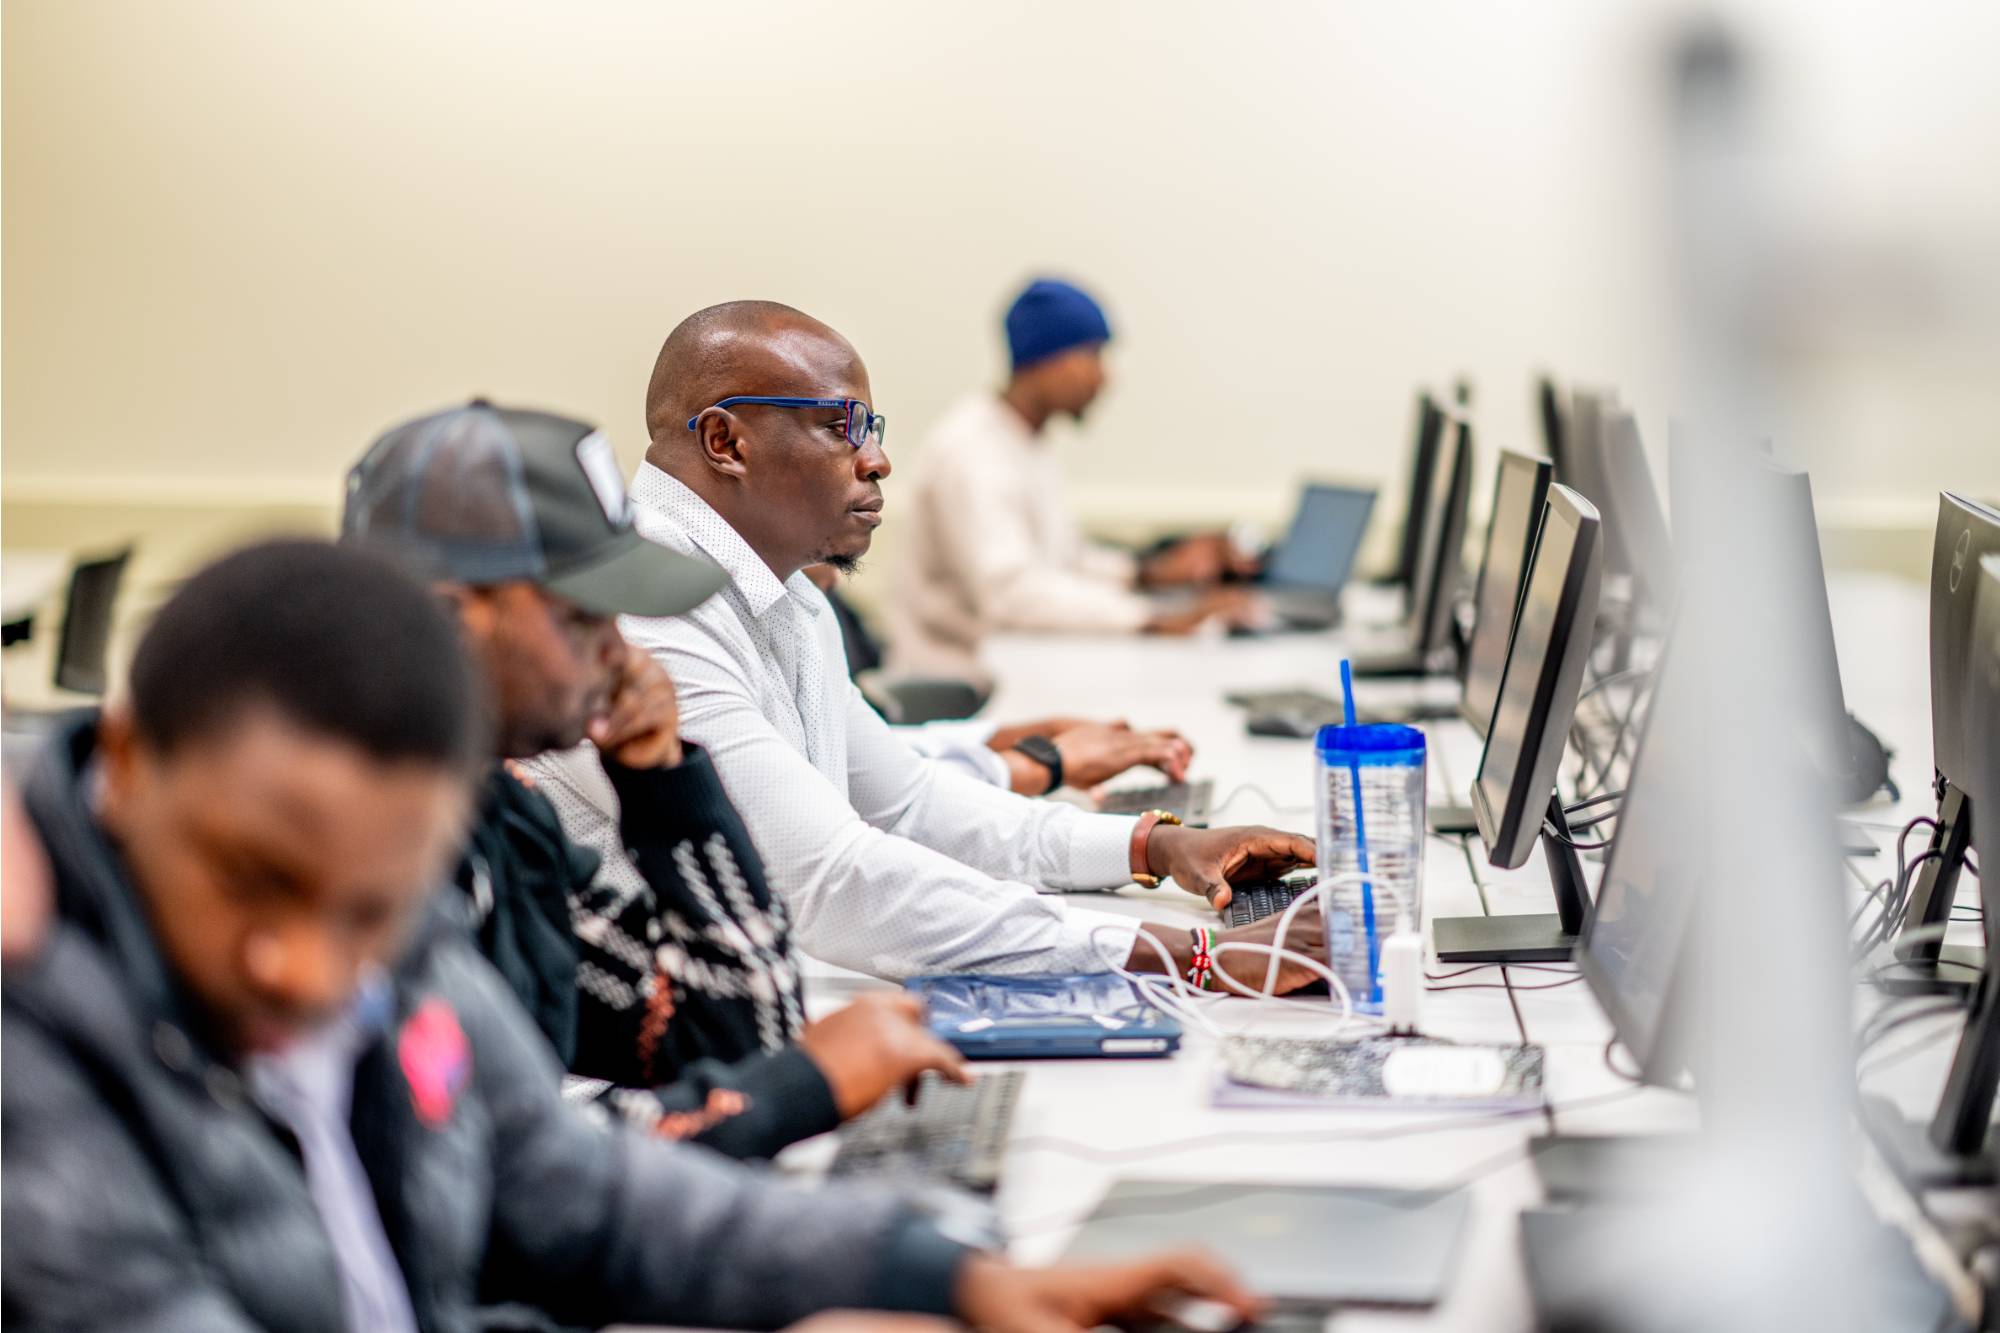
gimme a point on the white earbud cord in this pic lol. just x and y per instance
(1173, 993)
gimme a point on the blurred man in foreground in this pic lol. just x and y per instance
(255, 1077)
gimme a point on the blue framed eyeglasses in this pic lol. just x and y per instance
(862, 424)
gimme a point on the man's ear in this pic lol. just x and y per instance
(721, 443)
(117, 758)
(471, 607)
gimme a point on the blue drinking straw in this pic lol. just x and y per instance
(1361, 839)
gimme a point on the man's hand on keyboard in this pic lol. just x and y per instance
(1208, 861)
(1098, 752)
(995, 1296)
(1246, 967)
(875, 1045)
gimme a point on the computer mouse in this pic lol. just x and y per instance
(1192, 1314)
(1292, 726)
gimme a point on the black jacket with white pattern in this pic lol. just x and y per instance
(670, 993)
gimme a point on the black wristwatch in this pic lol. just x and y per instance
(1044, 752)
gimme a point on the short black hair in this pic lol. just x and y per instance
(337, 640)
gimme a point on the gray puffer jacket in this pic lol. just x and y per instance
(144, 1188)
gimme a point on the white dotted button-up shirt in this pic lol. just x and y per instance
(889, 863)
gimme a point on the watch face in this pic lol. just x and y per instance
(1043, 751)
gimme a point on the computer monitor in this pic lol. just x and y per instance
(1641, 523)
(1967, 532)
(1965, 1112)
(1423, 463)
(1583, 447)
(1514, 797)
(1952, 1149)
(1441, 562)
(1828, 741)
(1434, 592)
(1548, 399)
(1520, 489)
(1636, 935)
(1833, 743)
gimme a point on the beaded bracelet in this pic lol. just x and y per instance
(1201, 968)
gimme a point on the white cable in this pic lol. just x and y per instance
(1182, 1000)
(1181, 1004)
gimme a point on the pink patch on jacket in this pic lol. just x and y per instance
(436, 1060)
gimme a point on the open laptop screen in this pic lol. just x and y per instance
(1325, 535)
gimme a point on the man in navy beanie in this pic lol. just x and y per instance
(990, 544)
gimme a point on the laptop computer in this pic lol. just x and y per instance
(1304, 1247)
(1098, 1015)
(1303, 577)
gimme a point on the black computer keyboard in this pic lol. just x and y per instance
(1306, 702)
(1189, 800)
(954, 1135)
(1254, 902)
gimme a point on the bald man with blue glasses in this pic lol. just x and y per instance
(989, 541)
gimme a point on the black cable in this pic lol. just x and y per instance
(1592, 822)
(1872, 893)
(1576, 806)
(1896, 907)
(1509, 986)
(1253, 789)
(1506, 976)
(1877, 1030)
(1602, 681)
(1568, 841)
(1907, 1053)
(1635, 1080)
(1618, 737)
(1481, 967)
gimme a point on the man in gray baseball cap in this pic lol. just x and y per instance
(692, 1021)
(482, 494)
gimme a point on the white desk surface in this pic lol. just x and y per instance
(1083, 1123)
(28, 578)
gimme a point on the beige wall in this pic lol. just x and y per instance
(242, 236)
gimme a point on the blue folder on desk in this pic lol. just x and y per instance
(1046, 1017)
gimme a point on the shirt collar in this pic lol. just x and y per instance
(667, 510)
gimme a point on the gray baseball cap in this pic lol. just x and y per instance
(483, 494)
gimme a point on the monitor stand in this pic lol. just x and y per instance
(1411, 663)
(1535, 938)
(1954, 1148)
(1421, 710)
(1452, 819)
(1918, 1162)
(1930, 966)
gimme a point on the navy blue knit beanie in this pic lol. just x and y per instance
(1052, 317)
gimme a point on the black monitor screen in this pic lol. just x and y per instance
(1583, 445)
(1554, 433)
(1967, 532)
(1635, 502)
(1319, 550)
(1440, 562)
(1538, 689)
(1423, 465)
(1634, 938)
(1518, 493)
